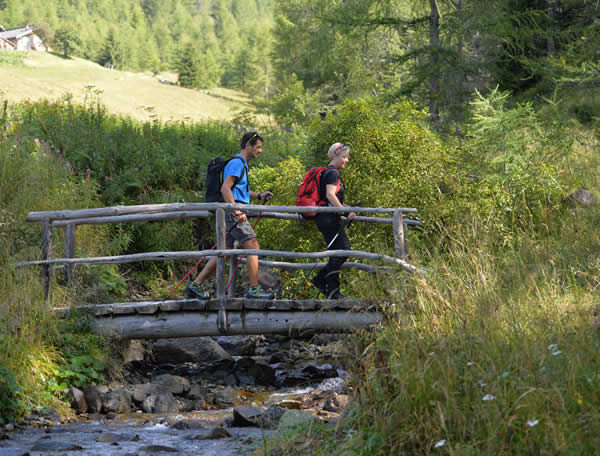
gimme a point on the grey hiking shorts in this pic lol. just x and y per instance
(240, 232)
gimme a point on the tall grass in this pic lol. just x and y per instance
(494, 352)
(62, 155)
(32, 177)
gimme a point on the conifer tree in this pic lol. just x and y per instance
(188, 67)
(112, 53)
(67, 39)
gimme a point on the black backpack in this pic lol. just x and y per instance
(214, 179)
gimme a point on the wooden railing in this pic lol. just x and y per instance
(70, 219)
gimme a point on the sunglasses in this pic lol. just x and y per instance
(251, 138)
(341, 146)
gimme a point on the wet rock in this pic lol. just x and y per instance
(233, 380)
(184, 404)
(583, 198)
(212, 434)
(197, 392)
(174, 383)
(93, 399)
(14, 452)
(118, 401)
(200, 404)
(292, 419)
(134, 350)
(245, 415)
(271, 417)
(225, 397)
(188, 349)
(247, 369)
(109, 437)
(162, 402)
(278, 357)
(140, 392)
(337, 384)
(153, 449)
(77, 400)
(44, 446)
(240, 345)
(321, 372)
(290, 404)
(187, 423)
(336, 403)
(49, 413)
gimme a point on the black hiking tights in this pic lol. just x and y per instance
(329, 225)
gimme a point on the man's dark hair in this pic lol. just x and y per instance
(250, 137)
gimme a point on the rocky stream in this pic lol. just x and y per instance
(194, 396)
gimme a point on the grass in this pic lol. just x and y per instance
(495, 351)
(139, 95)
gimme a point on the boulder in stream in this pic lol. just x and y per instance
(174, 383)
(245, 415)
(77, 400)
(188, 349)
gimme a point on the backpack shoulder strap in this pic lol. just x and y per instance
(322, 191)
(237, 178)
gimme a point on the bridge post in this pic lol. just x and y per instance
(399, 240)
(69, 250)
(220, 274)
(232, 275)
(46, 254)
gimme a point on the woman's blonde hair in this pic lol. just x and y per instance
(336, 149)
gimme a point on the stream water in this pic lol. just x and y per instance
(138, 435)
(214, 431)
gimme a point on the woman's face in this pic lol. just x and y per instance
(340, 160)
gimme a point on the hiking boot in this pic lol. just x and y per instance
(258, 292)
(337, 295)
(197, 291)
(320, 284)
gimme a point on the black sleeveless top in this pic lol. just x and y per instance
(330, 177)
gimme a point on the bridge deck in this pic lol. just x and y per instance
(194, 317)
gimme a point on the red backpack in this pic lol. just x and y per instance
(309, 193)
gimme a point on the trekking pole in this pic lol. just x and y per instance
(194, 268)
(344, 225)
(240, 258)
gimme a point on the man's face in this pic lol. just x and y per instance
(255, 150)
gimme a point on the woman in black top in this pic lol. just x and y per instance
(332, 191)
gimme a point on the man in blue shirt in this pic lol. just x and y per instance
(235, 189)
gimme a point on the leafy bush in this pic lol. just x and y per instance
(11, 401)
(396, 161)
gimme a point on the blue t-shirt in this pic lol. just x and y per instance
(238, 169)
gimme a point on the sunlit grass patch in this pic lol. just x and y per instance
(486, 367)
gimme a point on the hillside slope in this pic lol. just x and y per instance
(139, 95)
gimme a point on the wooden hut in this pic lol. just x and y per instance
(22, 39)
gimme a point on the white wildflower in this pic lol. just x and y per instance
(552, 347)
(441, 443)
(470, 363)
(532, 423)
(489, 397)
(482, 384)
(431, 354)
(556, 353)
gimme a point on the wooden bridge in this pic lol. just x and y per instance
(225, 314)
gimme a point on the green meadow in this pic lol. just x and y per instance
(141, 96)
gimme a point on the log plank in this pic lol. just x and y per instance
(184, 324)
